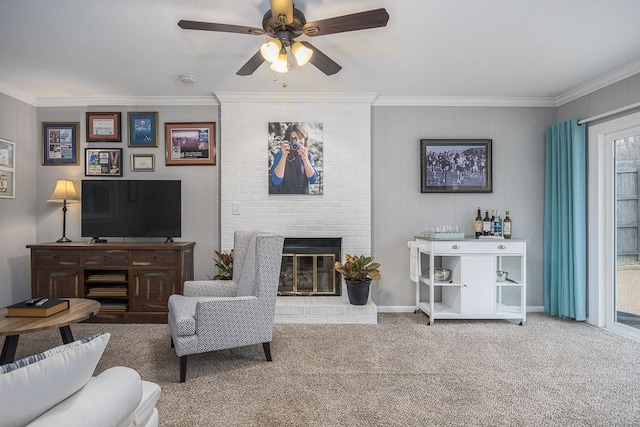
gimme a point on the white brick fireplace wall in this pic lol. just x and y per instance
(344, 208)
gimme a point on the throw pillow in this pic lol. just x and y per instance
(31, 386)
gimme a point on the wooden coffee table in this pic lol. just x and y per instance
(12, 327)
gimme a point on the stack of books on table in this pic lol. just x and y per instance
(37, 307)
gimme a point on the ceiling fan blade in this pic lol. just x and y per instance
(321, 61)
(356, 21)
(282, 8)
(251, 65)
(225, 28)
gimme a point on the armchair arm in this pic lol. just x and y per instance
(212, 288)
(220, 311)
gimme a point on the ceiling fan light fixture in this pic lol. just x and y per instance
(270, 50)
(301, 52)
(280, 65)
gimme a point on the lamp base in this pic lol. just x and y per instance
(63, 239)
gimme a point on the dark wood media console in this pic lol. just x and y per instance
(132, 281)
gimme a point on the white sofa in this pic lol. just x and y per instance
(56, 388)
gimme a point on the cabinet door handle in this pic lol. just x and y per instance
(455, 247)
(502, 247)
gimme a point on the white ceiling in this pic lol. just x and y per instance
(528, 49)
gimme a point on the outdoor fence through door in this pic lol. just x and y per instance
(626, 287)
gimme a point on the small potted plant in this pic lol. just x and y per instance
(225, 265)
(358, 272)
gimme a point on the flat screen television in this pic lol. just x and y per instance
(131, 208)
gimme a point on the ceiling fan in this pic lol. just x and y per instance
(284, 23)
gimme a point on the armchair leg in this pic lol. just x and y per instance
(267, 350)
(183, 368)
(172, 344)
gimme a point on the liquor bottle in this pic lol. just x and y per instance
(506, 226)
(486, 224)
(479, 224)
(497, 225)
(492, 221)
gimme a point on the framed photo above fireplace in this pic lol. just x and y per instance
(295, 151)
(456, 166)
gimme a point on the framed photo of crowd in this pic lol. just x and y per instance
(190, 144)
(456, 166)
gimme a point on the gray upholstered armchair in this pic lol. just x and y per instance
(220, 314)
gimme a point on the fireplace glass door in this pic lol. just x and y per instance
(307, 274)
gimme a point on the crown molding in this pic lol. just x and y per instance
(18, 94)
(127, 100)
(599, 83)
(463, 101)
(297, 97)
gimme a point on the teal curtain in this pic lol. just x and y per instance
(565, 221)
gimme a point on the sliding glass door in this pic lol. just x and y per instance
(623, 295)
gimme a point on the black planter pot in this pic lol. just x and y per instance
(358, 291)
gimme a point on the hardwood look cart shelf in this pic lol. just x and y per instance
(472, 290)
(132, 281)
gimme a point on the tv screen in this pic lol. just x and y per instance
(124, 208)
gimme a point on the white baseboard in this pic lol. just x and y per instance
(412, 308)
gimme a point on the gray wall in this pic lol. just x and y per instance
(625, 92)
(400, 211)
(18, 215)
(200, 184)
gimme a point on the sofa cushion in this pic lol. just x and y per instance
(107, 400)
(31, 386)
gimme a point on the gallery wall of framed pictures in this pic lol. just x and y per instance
(186, 144)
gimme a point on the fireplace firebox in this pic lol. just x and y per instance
(307, 266)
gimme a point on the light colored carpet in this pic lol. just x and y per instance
(400, 372)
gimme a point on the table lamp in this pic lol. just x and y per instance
(63, 193)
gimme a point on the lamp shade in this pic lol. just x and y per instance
(270, 50)
(301, 52)
(64, 191)
(280, 65)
